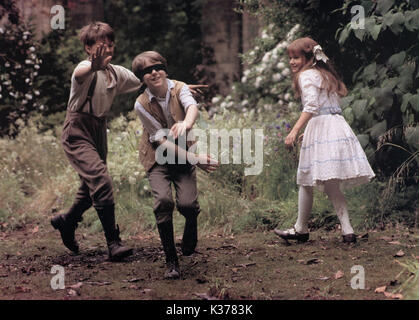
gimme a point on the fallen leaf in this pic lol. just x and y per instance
(339, 274)
(22, 289)
(386, 238)
(35, 230)
(399, 254)
(205, 296)
(76, 286)
(380, 289)
(323, 278)
(234, 270)
(395, 242)
(72, 292)
(393, 295)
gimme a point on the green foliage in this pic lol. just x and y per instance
(385, 86)
(19, 67)
(174, 32)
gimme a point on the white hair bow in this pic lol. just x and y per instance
(319, 54)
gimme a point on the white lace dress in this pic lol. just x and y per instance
(330, 149)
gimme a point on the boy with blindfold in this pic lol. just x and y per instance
(168, 104)
(94, 84)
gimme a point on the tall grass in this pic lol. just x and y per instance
(37, 181)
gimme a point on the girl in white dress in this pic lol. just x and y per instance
(331, 156)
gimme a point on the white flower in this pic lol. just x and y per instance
(131, 180)
(281, 103)
(246, 72)
(245, 103)
(266, 57)
(287, 96)
(7, 83)
(36, 92)
(32, 49)
(36, 67)
(7, 64)
(258, 81)
(244, 79)
(215, 100)
(27, 80)
(276, 77)
(223, 104)
(24, 101)
(28, 96)
(136, 173)
(1, 30)
(280, 65)
(286, 72)
(27, 61)
(42, 107)
(1, 96)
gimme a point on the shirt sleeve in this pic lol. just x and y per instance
(151, 125)
(310, 82)
(127, 81)
(82, 64)
(186, 97)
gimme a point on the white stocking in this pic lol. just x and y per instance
(305, 203)
(337, 198)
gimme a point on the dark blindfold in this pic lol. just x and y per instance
(150, 69)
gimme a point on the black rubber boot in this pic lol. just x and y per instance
(190, 236)
(117, 251)
(168, 243)
(67, 224)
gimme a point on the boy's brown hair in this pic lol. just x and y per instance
(331, 80)
(95, 31)
(140, 60)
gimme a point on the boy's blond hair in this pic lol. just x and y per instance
(95, 31)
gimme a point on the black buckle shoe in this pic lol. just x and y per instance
(349, 238)
(172, 271)
(67, 232)
(291, 234)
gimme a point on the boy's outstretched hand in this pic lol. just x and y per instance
(195, 88)
(206, 163)
(100, 58)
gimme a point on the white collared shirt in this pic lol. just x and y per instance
(149, 122)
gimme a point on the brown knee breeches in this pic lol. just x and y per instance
(183, 178)
(85, 144)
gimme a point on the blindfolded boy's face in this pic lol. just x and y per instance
(154, 74)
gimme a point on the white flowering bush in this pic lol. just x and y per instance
(19, 68)
(266, 82)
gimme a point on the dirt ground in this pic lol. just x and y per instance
(251, 266)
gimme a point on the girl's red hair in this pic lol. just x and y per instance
(303, 47)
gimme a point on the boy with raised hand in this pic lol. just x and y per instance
(94, 84)
(168, 104)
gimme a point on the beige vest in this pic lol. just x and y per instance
(147, 150)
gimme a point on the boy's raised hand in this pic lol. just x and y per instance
(100, 58)
(206, 163)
